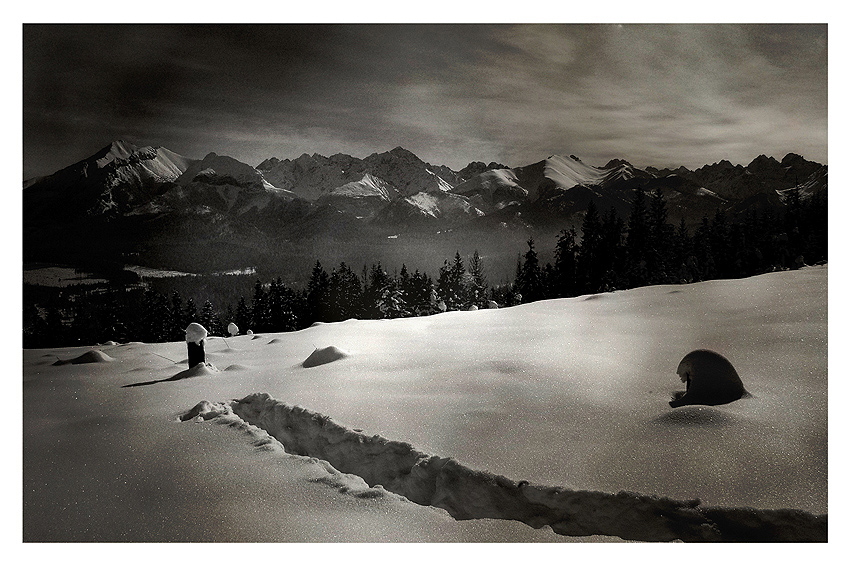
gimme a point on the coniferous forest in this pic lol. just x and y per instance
(608, 253)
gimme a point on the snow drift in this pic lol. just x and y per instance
(471, 494)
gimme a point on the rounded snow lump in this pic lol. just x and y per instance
(232, 329)
(93, 356)
(324, 355)
(710, 379)
(195, 333)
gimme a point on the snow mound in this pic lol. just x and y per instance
(232, 329)
(235, 367)
(93, 356)
(195, 333)
(324, 356)
(206, 410)
(198, 370)
(471, 494)
(274, 340)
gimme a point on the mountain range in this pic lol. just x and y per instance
(126, 199)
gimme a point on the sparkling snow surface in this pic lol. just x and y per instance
(570, 393)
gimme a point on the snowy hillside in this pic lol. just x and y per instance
(560, 403)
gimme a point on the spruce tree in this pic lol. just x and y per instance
(190, 314)
(611, 253)
(659, 241)
(177, 323)
(564, 270)
(478, 288)
(260, 314)
(243, 316)
(529, 283)
(317, 290)
(637, 239)
(209, 318)
(589, 274)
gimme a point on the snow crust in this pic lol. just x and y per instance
(570, 395)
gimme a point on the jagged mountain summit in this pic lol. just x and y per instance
(312, 176)
(112, 180)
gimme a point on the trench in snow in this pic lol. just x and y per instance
(469, 494)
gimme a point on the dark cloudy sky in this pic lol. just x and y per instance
(657, 95)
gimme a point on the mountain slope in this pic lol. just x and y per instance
(109, 182)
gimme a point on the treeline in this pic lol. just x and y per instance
(612, 254)
(646, 249)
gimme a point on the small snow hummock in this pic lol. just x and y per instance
(205, 410)
(93, 356)
(232, 329)
(324, 355)
(195, 333)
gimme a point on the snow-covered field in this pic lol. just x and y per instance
(568, 393)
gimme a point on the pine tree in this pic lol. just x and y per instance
(721, 246)
(112, 318)
(564, 270)
(375, 293)
(190, 314)
(156, 318)
(344, 298)
(209, 318)
(703, 264)
(451, 284)
(529, 283)
(317, 299)
(243, 316)
(478, 288)
(682, 251)
(177, 323)
(260, 313)
(588, 268)
(421, 296)
(611, 252)
(659, 241)
(637, 239)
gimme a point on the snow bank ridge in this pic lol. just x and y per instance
(469, 494)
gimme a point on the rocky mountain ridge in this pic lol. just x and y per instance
(133, 196)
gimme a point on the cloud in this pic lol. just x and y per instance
(653, 94)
